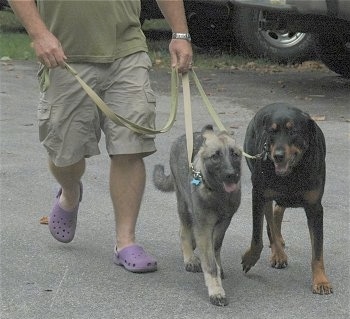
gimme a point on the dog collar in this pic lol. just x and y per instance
(197, 177)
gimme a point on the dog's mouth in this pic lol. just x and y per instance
(231, 187)
(284, 159)
(282, 169)
(285, 168)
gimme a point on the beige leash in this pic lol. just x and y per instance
(212, 113)
(172, 115)
(188, 116)
(125, 122)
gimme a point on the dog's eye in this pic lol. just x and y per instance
(216, 156)
(233, 154)
(272, 131)
(293, 131)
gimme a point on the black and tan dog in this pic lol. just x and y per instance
(291, 172)
(207, 198)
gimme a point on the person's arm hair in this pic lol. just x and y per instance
(46, 46)
(174, 13)
(28, 14)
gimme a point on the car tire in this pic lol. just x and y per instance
(333, 50)
(279, 46)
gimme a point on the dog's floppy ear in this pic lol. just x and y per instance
(206, 128)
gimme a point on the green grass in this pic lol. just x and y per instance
(16, 46)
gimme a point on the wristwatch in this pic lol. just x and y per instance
(183, 36)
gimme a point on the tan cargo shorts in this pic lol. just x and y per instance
(70, 123)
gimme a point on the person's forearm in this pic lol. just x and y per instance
(27, 13)
(174, 13)
(46, 46)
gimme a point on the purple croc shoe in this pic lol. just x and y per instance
(62, 224)
(135, 259)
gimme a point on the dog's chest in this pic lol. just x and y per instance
(220, 202)
(287, 191)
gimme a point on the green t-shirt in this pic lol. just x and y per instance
(95, 31)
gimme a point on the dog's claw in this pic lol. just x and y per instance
(245, 267)
(279, 265)
(324, 288)
(218, 300)
(250, 258)
(193, 265)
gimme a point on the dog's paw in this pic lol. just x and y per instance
(250, 258)
(193, 265)
(322, 288)
(218, 300)
(279, 260)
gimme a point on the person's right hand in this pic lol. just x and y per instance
(49, 50)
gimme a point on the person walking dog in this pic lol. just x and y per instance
(104, 41)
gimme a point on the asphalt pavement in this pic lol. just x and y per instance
(42, 278)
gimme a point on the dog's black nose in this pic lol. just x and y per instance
(232, 177)
(279, 156)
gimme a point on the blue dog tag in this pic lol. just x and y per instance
(195, 182)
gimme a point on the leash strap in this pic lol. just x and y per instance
(207, 103)
(213, 113)
(125, 122)
(173, 110)
(188, 116)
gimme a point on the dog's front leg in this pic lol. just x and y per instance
(218, 238)
(210, 268)
(278, 213)
(252, 255)
(188, 245)
(274, 218)
(320, 283)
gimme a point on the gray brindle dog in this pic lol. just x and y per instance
(207, 198)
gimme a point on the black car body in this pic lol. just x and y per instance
(328, 20)
(213, 23)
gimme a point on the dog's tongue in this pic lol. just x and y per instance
(230, 187)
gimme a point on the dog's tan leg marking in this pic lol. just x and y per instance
(191, 261)
(274, 219)
(211, 269)
(278, 213)
(320, 282)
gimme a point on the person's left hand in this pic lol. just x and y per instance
(181, 54)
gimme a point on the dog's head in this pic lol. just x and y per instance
(219, 160)
(288, 131)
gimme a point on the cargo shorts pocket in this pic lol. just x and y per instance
(151, 97)
(44, 109)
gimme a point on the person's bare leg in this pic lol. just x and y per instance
(127, 184)
(69, 179)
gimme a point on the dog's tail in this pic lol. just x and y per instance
(161, 181)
